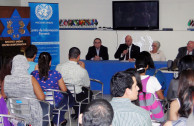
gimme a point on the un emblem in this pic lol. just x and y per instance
(43, 11)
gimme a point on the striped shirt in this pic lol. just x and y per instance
(128, 114)
(149, 103)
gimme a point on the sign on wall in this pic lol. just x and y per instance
(44, 22)
(14, 30)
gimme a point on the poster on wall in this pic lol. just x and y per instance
(45, 29)
(44, 22)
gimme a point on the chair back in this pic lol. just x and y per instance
(20, 106)
(99, 86)
(49, 97)
(11, 118)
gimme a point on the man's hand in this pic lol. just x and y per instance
(125, 52)
(82, 64)
(96, 58)
(131, 60)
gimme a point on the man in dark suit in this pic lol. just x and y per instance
(98, 51)
(187, 50)
(127, 51)
(183, 51)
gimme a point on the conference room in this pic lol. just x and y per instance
(170, 26)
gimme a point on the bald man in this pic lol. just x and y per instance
(127, 51)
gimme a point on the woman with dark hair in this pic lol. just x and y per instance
(152, 71)
(147, 100)
(185, 63)
(150, 84)
(184, 103)
(52, 79)
(5, 70)
(186, 80)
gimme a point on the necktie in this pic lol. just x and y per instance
(127, 55)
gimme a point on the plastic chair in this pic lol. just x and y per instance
(97, 92)
(49, 93)
(10, 117)
(71, 88)
(22, 107)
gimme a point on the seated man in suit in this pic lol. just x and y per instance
(98, 51)
(183, 51)
(127, 51)
(187, 50)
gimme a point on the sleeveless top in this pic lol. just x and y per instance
(148, 102)
(182, 121)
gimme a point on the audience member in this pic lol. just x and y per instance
(73, 72)
(150, 84)
(185, 63)
(97, 51)
(157, 55)
(30, 54)
(186, 80)
(147, 101)
(98, 113)
(124, 89)
(185, 104)
(5, 70)
(20, 84)
(127, 51)
(52, 79)
(152, 71)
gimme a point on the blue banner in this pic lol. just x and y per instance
(44, 22)
(51, 48)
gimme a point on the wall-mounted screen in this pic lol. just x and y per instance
(135, 15)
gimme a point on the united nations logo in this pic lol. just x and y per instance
(43, 11)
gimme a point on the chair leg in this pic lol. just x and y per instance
(69, 116)
(58, 118)
(78, 114)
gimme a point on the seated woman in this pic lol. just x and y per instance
(186, 80)
(152, 71)
(185, 107)
(20, 84)
(52, 79)
(148, 100)
(5, 70)
(157, 55)
(185, 63)
(150, 84)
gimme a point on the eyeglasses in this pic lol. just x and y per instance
(97, 42)
(154, 46)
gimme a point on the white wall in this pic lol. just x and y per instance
(10, 2)
(173, 14)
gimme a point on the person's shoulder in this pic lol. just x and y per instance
(133, 45)
(182, 48)
(103, 46)
(92, 47)
(140, 111)
(34, 72)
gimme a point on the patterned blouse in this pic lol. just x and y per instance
(50, 83)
